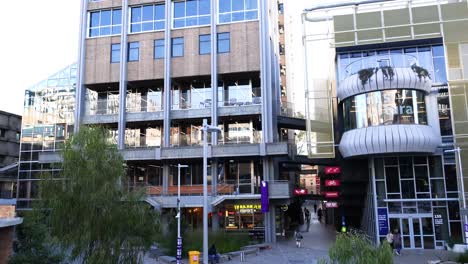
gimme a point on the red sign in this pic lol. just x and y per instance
(331, 194)
(330, 183)
(331, 204)
(332, 170)
(300, 191)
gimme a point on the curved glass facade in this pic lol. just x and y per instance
(386, 107)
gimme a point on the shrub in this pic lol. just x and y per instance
(463, 258)
(356, 248)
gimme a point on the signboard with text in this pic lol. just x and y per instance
(331, 183)
(382, 216)
(331, 194)
(332, 170)
(300, 191)
(331, 204)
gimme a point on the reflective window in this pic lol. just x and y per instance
(237, 10)
(431, 58)
(384, 108)
(224, 42)
(133, 51)
(191, 13)
(105, 23)
(147, 18)
(177, 47)
(443, 105)
(159, 49)
(115, 52)
(204, 45)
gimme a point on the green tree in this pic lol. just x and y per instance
(34, 245)
(92, 214)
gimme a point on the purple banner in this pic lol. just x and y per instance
(264, 196)
(179, 250)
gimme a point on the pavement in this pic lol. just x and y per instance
(315, 246)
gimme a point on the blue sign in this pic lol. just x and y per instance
(179, 250)
(382, 216)
(264, 199)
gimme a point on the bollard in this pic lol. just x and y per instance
(242, 256)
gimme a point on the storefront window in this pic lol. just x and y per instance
(384, 108)
(243, 216)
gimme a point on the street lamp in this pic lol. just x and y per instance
(178, 216)
(206, 129)
(462, 186)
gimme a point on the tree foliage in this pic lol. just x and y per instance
(91, 212)
(34, 245)
(355, 248)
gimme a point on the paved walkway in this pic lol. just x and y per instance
(315, 246)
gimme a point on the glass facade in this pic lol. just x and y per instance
(387, 107)
(429, 57)
(47, 122)
(237, 10)
(415, 191)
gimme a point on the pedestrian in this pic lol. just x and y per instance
(299, 238)
(319, 215)
(213, 255)
(315, 208)
(397, 242)
(390, 238)
(307, 215)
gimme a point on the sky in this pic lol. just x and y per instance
(39, 38)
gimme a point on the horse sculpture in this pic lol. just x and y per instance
(366, 74)
(420, 72)
(388, 72)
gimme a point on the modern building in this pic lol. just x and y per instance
(396, 74)
(145, 72)
(10, 127)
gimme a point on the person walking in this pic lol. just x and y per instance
(307, 215)
(397, 242)
(390, 238)
(315, 207)
(299, 238)
(319, 215)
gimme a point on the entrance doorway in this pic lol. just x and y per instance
(416, 231)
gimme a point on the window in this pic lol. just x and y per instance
(115, 53)
(224, 42)
(237, 10)
(2, 132)
(177, 47)
(204, 45)
(191, 13)
(133, 51)
(159, 49)
(147, 18)
(105, 23)
(281, 8)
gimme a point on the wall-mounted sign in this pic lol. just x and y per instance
(331, 204)
(330, 183)
(264, 199)
(332, 170)
(438, 220)
(331, 194)
(238, 207)
(300, 191)
(382, 217)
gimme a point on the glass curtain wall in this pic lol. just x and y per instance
(415, 193)
(47, 122)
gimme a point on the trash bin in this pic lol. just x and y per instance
(194, 257)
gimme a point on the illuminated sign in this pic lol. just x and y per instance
(300, 191)
(331, 194)
(238, 207)
(332, 170)
(329, 183)
(331, 204)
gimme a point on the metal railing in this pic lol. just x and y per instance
(102, 106)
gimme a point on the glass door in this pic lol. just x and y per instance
(411, 231)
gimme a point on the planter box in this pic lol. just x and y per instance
(458, 248)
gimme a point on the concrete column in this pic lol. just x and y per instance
(214, 71)
(80, 93)
(123, 77)
(215, 220)
(214, 178)
(6, 240)
(167, 76)
(265, 74)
